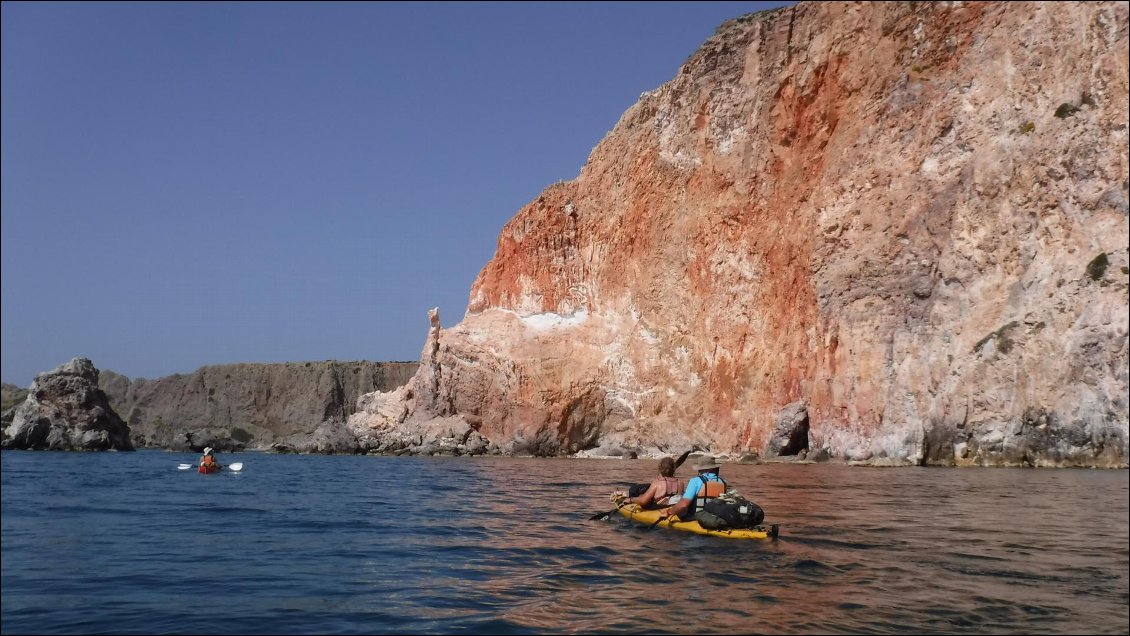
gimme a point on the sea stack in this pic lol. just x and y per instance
(65, 410)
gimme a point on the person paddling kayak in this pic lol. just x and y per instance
(701, 489)
(663, 491)
(208, 462)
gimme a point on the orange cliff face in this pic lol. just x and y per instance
(879, 216)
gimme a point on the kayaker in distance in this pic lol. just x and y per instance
(664, 490)
(706, 486)
(208, 461)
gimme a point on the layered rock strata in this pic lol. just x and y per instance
(65, 410)
(288, 407)
(911, 218)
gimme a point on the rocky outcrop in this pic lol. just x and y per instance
(386, 426)
(790, 437)
(289, 407)
(65, 410)
(912, 216)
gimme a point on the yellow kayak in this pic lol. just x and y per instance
(633, 512)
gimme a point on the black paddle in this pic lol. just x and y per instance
(604, 515)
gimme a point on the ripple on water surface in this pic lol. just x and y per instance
(126, 543)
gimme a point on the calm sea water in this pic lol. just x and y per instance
(126, 543)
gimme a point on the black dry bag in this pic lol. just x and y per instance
(730, 510)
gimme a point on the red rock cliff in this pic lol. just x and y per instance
(895, 230)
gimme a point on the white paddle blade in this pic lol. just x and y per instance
(236, 467)
(184, 466)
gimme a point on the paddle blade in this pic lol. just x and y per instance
(184, 466)
(682, 458)
(602, 515)
(236, 467)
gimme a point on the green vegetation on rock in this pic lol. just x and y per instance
(11, 395)
(1004, 343)
(1097, 267)
(1066, 110)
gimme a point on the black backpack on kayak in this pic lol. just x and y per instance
(729, 510)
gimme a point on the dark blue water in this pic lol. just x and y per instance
(126, 543)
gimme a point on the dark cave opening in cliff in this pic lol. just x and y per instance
(798, 439)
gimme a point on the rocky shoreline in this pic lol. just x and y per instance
(74, 407)
(285, 407)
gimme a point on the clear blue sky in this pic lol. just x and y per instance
(192, 184)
